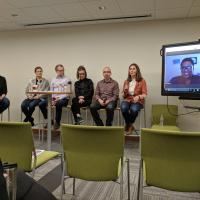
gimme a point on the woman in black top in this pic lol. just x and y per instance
(4, 101)
(84, 91)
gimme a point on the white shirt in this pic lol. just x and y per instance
(132, 85)
(57, 85)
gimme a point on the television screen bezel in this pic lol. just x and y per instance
(183, 95)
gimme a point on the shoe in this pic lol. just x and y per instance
(80, 120)
(76, 123)
(56, 126)
(26, 119)
(31, 120)
(128, 129)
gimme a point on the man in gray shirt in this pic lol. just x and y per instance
(106, 96)
(28, 105)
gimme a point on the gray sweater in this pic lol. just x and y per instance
(43, 85)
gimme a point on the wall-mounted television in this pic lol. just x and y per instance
(181, 70)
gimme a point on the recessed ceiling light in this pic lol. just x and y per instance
(14, 15)
(102, 7)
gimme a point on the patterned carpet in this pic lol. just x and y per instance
(49, 175)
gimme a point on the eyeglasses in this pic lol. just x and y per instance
(186, 67)
(106, 71)
(81, 74)
(60, 70)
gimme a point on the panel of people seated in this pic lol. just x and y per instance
(105, 96)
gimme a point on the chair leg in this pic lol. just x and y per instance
(86, 115)
(121, 180)
(140, 182)
(128, 178)
(74, 186)
(62, 179)
(62, 168)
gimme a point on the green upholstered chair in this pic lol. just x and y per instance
(166, 127)
(168, 112)
(170, 159)
(93, 153)
(17, 146)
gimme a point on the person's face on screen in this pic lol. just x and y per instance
(132, 71)
(60, 71)
(186, 69)
(107, 73)
(81, 74)
(38, 73)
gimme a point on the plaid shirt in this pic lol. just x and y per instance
(108, 90)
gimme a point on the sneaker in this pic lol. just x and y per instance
(80, 120)
(76, 123)
(56, 126)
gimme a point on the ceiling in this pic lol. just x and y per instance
(26, 14)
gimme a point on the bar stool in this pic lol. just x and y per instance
(39, 123)
(85, 109)
(141, 120)
(117, 109)
(8, 109)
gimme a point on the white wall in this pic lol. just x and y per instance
(95, 46)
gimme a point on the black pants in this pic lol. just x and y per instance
(28, 107)
(59, 104)
(110, 108)
(4, 104)
(75, 107)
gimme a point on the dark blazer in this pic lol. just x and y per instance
(84, 88)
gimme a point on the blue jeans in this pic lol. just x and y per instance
(110, 108)
(130, 111)
(4, 104)
(28, 107)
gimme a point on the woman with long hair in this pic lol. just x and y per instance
(134, 93)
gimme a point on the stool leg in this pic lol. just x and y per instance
(118, 117)
(140, 120)
(21, 116)
(145, 123)
(86, 115)
(8, 113)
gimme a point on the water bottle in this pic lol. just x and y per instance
(11, 180)
(161, 120)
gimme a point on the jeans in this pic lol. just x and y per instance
(4, 104)
(28, 107)
(130, 111)
(76, 106)
(110, 108)
(59, 104)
